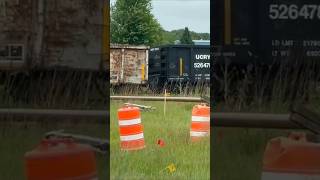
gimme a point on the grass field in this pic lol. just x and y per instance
(18, 138)
(237, 153)
(191, 159)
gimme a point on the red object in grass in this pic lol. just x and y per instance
(160, 142)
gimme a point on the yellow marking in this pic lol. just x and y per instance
(171, 168)
(142, 72)
(181, 66)
(227, 22)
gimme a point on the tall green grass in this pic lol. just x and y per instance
(191, 159)
(18, 138)
(175, 89)
(237, 153)
(288, 81)
(54, 89)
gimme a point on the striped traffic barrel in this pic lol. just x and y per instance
(61, 159)
(131, 129)
(291, 158)
(200, 122)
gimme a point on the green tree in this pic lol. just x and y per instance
(170, 36)
(186, 37)
(133, 23)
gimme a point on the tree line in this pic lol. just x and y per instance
(132, 22)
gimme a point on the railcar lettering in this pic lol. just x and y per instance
(311, 43)
(201, 56)
(313, 53)
(293, 11)
(201, 65)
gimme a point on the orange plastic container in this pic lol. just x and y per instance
(200, 122)
(61, 159)
(131, 129)
(291, 158)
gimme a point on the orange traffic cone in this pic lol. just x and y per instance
(61, 159)
(293, 158)
(200, 122)
(131, 129)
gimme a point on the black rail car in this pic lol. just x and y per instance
(265, 31)
(265, 38)
(181, 64)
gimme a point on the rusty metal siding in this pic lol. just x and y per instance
(55, 33)
(75, 35)
(15, 28)
(128, 64)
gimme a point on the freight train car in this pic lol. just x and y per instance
(46, 44)
(128, 64)
(179, 64)
(263, 32)
(167, 66)
(264, 38)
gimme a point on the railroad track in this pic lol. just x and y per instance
(253, 120)
(98, 116)
(159, 98)
(247, 120)
(299, 118)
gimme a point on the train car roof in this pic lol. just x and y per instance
(128, 46)
(180, 45)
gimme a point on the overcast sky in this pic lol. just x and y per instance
(177, 14)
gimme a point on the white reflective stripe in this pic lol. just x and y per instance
(198, 134)
(131, 137)
(200, 119)
(129, 122)
(288, 176)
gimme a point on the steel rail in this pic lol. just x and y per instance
(55, 114)
(253, 120)
(158, 98)
(247, 120)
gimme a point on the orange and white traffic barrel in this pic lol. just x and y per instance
(131, 129)
(61, 159)
(200, 122)
(292, 158)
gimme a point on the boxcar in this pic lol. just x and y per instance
(179, 63)
(128, 64)
(49, 34)
(258, 42)
(55, 41)
(265, 32)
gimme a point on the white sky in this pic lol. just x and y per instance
(177, 14)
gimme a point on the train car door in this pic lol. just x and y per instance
(179, 63)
